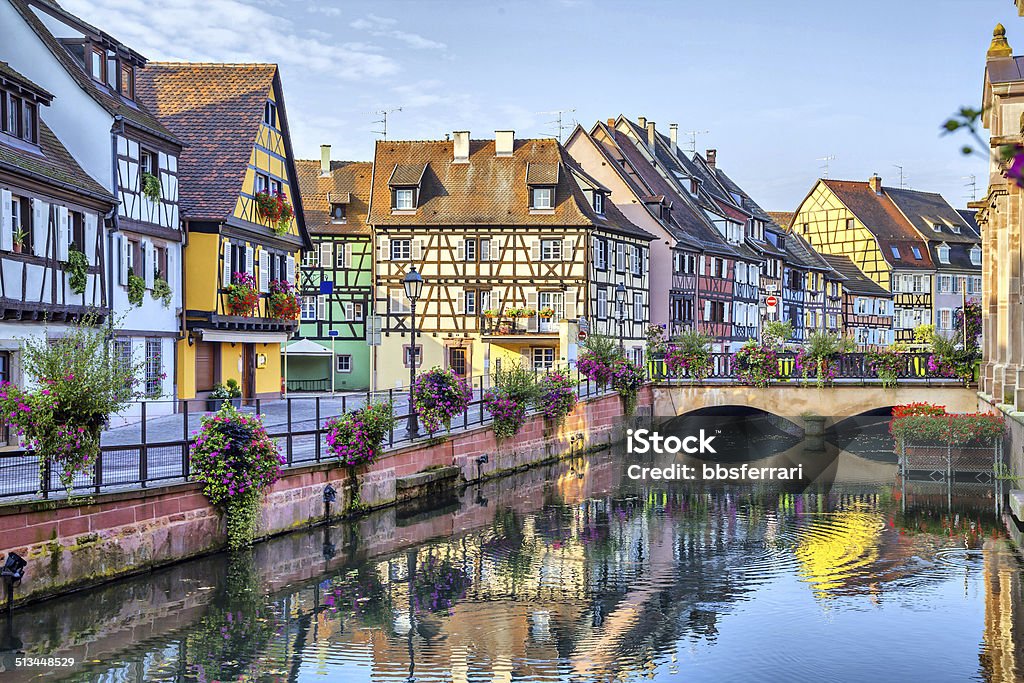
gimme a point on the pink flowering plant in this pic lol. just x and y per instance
(356, 438)
(756, 364)
(627, 378)
(75, 383)
(689, 355)
(556, 397)
(515, 388)
(596, 358)
(887, 364)
(236, 461)
(438, 396)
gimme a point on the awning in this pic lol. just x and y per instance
(306, 347)
(244, 337)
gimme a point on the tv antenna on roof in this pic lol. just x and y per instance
(557, 122)
(383, 120)
(903, 183)
(825, 166)
(972, 182)
(693, 138)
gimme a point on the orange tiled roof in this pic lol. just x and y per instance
(216, 109)
(350, 178)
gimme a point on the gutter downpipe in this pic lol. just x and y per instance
(118, 127)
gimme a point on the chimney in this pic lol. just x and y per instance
(461, 146)
(611, 123)
(503, 142)
(709, 156)
(875, 181)
(325, 160)
(673, 137)
(642, 120)
(650, 136)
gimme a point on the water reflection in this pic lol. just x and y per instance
(575, 574)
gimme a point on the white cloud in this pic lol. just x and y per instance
(209, 30)
(322, 9)
(383, 27)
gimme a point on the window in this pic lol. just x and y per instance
(620, 257)
(485, 250)
(920, 284)
(154, 367)
(403, 199)
(147, 160)
(601, 254)
(469, 302)
(398, 302)
(976, 255)
(308, 308)
(718, 267)
(123, 356)
(401, 250)
(599, 202)
(76, 221)
(945, 319)
(602, 304)
(945, 284)
(638, 306)
(28, 122)
(543, 357)
(553, 300)
(261, 183)
(714, 311)
(311, 258)
(351, 311)
(270, 114)
(127, 81)
(485, 299)
(344, 363)
(541, 198)
(97, 58)
(12, 124)
(274, 186)
(916, 251)
(895, 251)
(470, 250)
(112, 73)
(338, 213)
(937, 227)
(977, 284)
(343, 256)
(636, 260)
(551, 250)
(408, 355)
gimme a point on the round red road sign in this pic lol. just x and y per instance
(772, 301)
(582, 336)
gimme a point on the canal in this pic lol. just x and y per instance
(575, 573)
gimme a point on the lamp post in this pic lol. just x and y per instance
(413, 283)
(620, 303)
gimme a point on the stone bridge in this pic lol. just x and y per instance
(834, 403)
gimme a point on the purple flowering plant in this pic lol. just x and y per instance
(556, 396)
(356, 438)
(756, 364)
(236, 461)
(507, 413)
(438, 396)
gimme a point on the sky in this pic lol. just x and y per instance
(773, 86)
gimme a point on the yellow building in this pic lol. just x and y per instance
(243, 220)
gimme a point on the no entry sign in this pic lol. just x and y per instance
(771, 301)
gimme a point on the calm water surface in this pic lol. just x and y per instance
(573, 573)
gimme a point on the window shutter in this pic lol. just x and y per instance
(495, 249)
(6, 234)
(290, 268)
(570, 302)
(700, 264)
(63, 228)
(707, 310)
(264, 274)
(326, 255)
(249, 259)
(531, 302)
(527, 359)
(171, 274)
(568, 244)
(460, 250)
(725, 314)
(460, 303)
(40, 226)
(417, 250)
(535, 250)
(125, 248)
(346, 255)
(350, 311)
(321, 307)
(226, 274)
(384, 249)
(89, 248)
(148, 251)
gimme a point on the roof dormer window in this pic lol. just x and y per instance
(955, 228)
(127, 81)
(976, 255)
(97, 58)
(405, 199)
(19, 117)
(599, 202)
(937, 227)
(942, 251)
(542, 198)
(406, 183)
(338, 212)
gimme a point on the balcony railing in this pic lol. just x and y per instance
(513, 326)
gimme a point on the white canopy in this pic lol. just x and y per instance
(306, 347)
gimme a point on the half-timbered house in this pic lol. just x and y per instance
(336, 275)
(243, 219)
(859, 220)
(866, 306)
(52, 243)
(515, 244)
(119, 142)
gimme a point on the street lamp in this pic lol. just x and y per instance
(620, 303)
(413, 283)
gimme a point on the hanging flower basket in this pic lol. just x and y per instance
(243, 299)
(438, 396)
(282, 302)
(275, 209)
(547, 313)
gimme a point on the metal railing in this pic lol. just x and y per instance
(154, 449)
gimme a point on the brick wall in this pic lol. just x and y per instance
(93, 540)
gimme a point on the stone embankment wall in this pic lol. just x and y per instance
(85, 542)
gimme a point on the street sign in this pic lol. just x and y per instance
(582, 336)
(771, 301)
(771, 288)
(584, 326)
(327, 287)
(333, 333)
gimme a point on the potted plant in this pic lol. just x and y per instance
(490, 313)
(275, 209)
(19, 241)
(234, 392)
(218, 397)
(656, 345)
(438, 396)
(689, 355)
(282, 302)
(756, 364)
(512, 312)
(242, 295)
(547, 313)
(150, 187)
(77, 268)
(162, 291)
(527, 312)
(136, 289)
